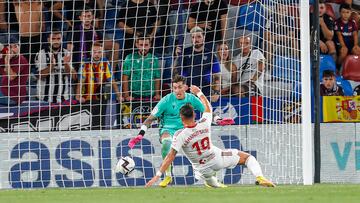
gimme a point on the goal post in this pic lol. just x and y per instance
(307, 132)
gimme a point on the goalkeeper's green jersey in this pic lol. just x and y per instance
(168, 111)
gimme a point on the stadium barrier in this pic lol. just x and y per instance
(86, 158)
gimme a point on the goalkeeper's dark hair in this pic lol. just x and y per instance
(179, 78)
(187, 111)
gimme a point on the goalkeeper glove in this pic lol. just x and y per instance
(136, 139)
(225, 121)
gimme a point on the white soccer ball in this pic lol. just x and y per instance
(125, 165)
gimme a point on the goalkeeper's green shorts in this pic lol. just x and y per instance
(170, 131)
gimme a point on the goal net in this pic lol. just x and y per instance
(78, 80)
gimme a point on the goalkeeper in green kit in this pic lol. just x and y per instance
(168, 112)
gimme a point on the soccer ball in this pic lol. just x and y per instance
(125, 165)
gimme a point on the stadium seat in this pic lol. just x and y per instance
(110, 18)
(351, 69)
(251, 17)
(348, 90)
(327, 63)
(286, 69)
(110, 24)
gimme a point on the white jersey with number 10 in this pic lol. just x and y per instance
(196, 142)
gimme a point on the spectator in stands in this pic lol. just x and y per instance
(141, 72)
(12, 25)
(68, 11)
(137, 16)
(82, 37)
(96, 82)
(280, 39)
(95, 77)
(335, 4)
(328, 86)
(327, 45)
(356, 13)
(3, 20)
(55, 70)
(174, 14)
(199, 65)
(211, 16)
(228, 70)
(14, 71)
(346, 34)
(30, 26)
(250, 65)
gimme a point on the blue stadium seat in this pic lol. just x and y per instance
(327, 63)
(110, 18)
(251, 17)
(110, 24)
(345, 84)
(286, 69)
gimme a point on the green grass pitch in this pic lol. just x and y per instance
(246, 194)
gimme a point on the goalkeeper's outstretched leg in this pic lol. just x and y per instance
(165, 149)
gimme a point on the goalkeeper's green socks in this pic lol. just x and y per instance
(165, 149)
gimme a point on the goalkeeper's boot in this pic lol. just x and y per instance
(260, 180)
(214, 183)
(167, 180)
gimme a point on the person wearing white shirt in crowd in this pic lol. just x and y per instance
(250, 64)
(227, 69)
(55, 70)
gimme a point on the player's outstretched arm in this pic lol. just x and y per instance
(166, 163)
(142, 131)
(196, 90)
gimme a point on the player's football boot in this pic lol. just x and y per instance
(220, 185)
(213, 182)
(260, 180)
(167, 180)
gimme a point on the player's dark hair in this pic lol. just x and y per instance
(328, 73)
(322, 1)
(345, 6)
(187, 111)
(179, 78)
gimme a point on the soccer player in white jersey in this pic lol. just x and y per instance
(168, 113)
(195, 141)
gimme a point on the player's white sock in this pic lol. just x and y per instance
(254, 166)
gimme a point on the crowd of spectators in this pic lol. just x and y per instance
(64, 49)
(339, 38)
(56, 39)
